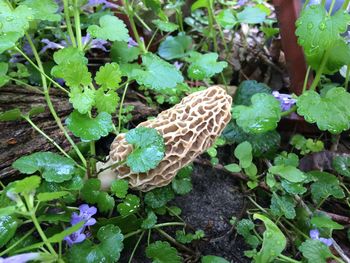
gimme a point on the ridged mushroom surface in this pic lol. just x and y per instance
(189, 128)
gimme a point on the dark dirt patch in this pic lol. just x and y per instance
(215, 198)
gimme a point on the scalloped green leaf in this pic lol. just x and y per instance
(175, 46)
(247, 89)
(162, 252)
(204, 66)
(44, 9)
(111, 28)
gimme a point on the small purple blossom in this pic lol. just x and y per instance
(50, 45)
(286, 100)
(105, 3)
(85, 214)
(94, 43)
(21, 258)
(133, 43)
(315, 235)
(178, 65)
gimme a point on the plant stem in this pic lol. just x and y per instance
(286, 113)
(142, 22)
(49, 102)
(347, 77)
(29, 87)
(172, 240)
(136, 245)
(68, 23)
(151, 40)
(345, 4)
(320, 70)
(288, 259)
(121, 109)
(130, 12)
(179, 20)
(331, 7)
(211, 23)
(306, 78)
(77, 25)
(169, 224)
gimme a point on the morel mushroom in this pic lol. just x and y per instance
(189, 128)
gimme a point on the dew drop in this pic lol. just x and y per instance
(9, 18)
(310, 25)
(322, 26)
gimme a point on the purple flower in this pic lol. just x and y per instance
(133, 43)
(315, 235)
(85, 214)
(286, 100)
(21, 258)
(50, 45)
(178, 65)
(105, 3)
(94, 43)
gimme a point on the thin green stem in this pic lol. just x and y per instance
(142, 22)
(17, 242)
(211, 23)
(306, 78)
(331, 7)
(287, 112)
(172, 240)
(26, 85)
(49, 102)
(77, 25)
(347, 77)
(345, 4)
(179, 20)
(288, 259)
(169, 224)
(152, 38)
(68, 22)
(320, 70)
(121, 108)
(135, 248)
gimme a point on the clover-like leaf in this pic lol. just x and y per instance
(91, 190)
(321, 110)
(175, 47)
(204, 66)
(159, 197)
(108, 76)
(342, 165)
(120, 188)
(247, 89)
(105, 202)
(162, 252)
(52, 166)
(74, 73)
(111, 28)
(244, 227)
(262, 116)
(122, 53)
(106, 101)
(317, 31)
(165, 26)
(130, 205)
(288, 172)
(81, 125)
(44, 9)
(150, 221)
(315, 251)
(158, 74)
(182, 184)
(107, 250)
(82, 100)
(283, 206)
(148, 149)
(243, 152)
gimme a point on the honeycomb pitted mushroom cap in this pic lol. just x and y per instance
(189, 128)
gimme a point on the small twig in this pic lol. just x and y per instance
(340, 251)
(174, 242)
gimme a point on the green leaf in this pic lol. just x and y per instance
(274, 242)
(105, 202)
(247, 89)
(106, 102)
(283, 206)
(45, 197)
(315, 251)
(120, 188)
(321, 110)
(199, 4)
(244, 228)
(326, 185)
(159, 197)
(325, 222)
(82, 100)
(68, 55)
(317, 31)
(243, 152)
(14, 21)
(108, 250)
(148, 149)
(111, 28)
(52, 166)
(233, 168)
(162, 252)
(182, 184)
(184, 238)
(44, 9)
(293, 188)
(108, 76)
(165, 26)
(8, 227)
(91, 190)
(262, 116)
(288, 172)
(8, 40)
(122, 53)
(213, 259)
(60, 236)
(8, 210)
(342, 165)
(3, 71)
(251, 15)
(150, 221)
(158, 74)
(175, 47)
(226, 19)
(263, 144)
(74, 73)
(288, 159)
(89, 128)
(27, 185)
(204, 66)
(11, 115)
(129, 206)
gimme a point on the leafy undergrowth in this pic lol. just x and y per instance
(296, 185)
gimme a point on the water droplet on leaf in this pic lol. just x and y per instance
(322, 26)
(9, 18)
(310, 25)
